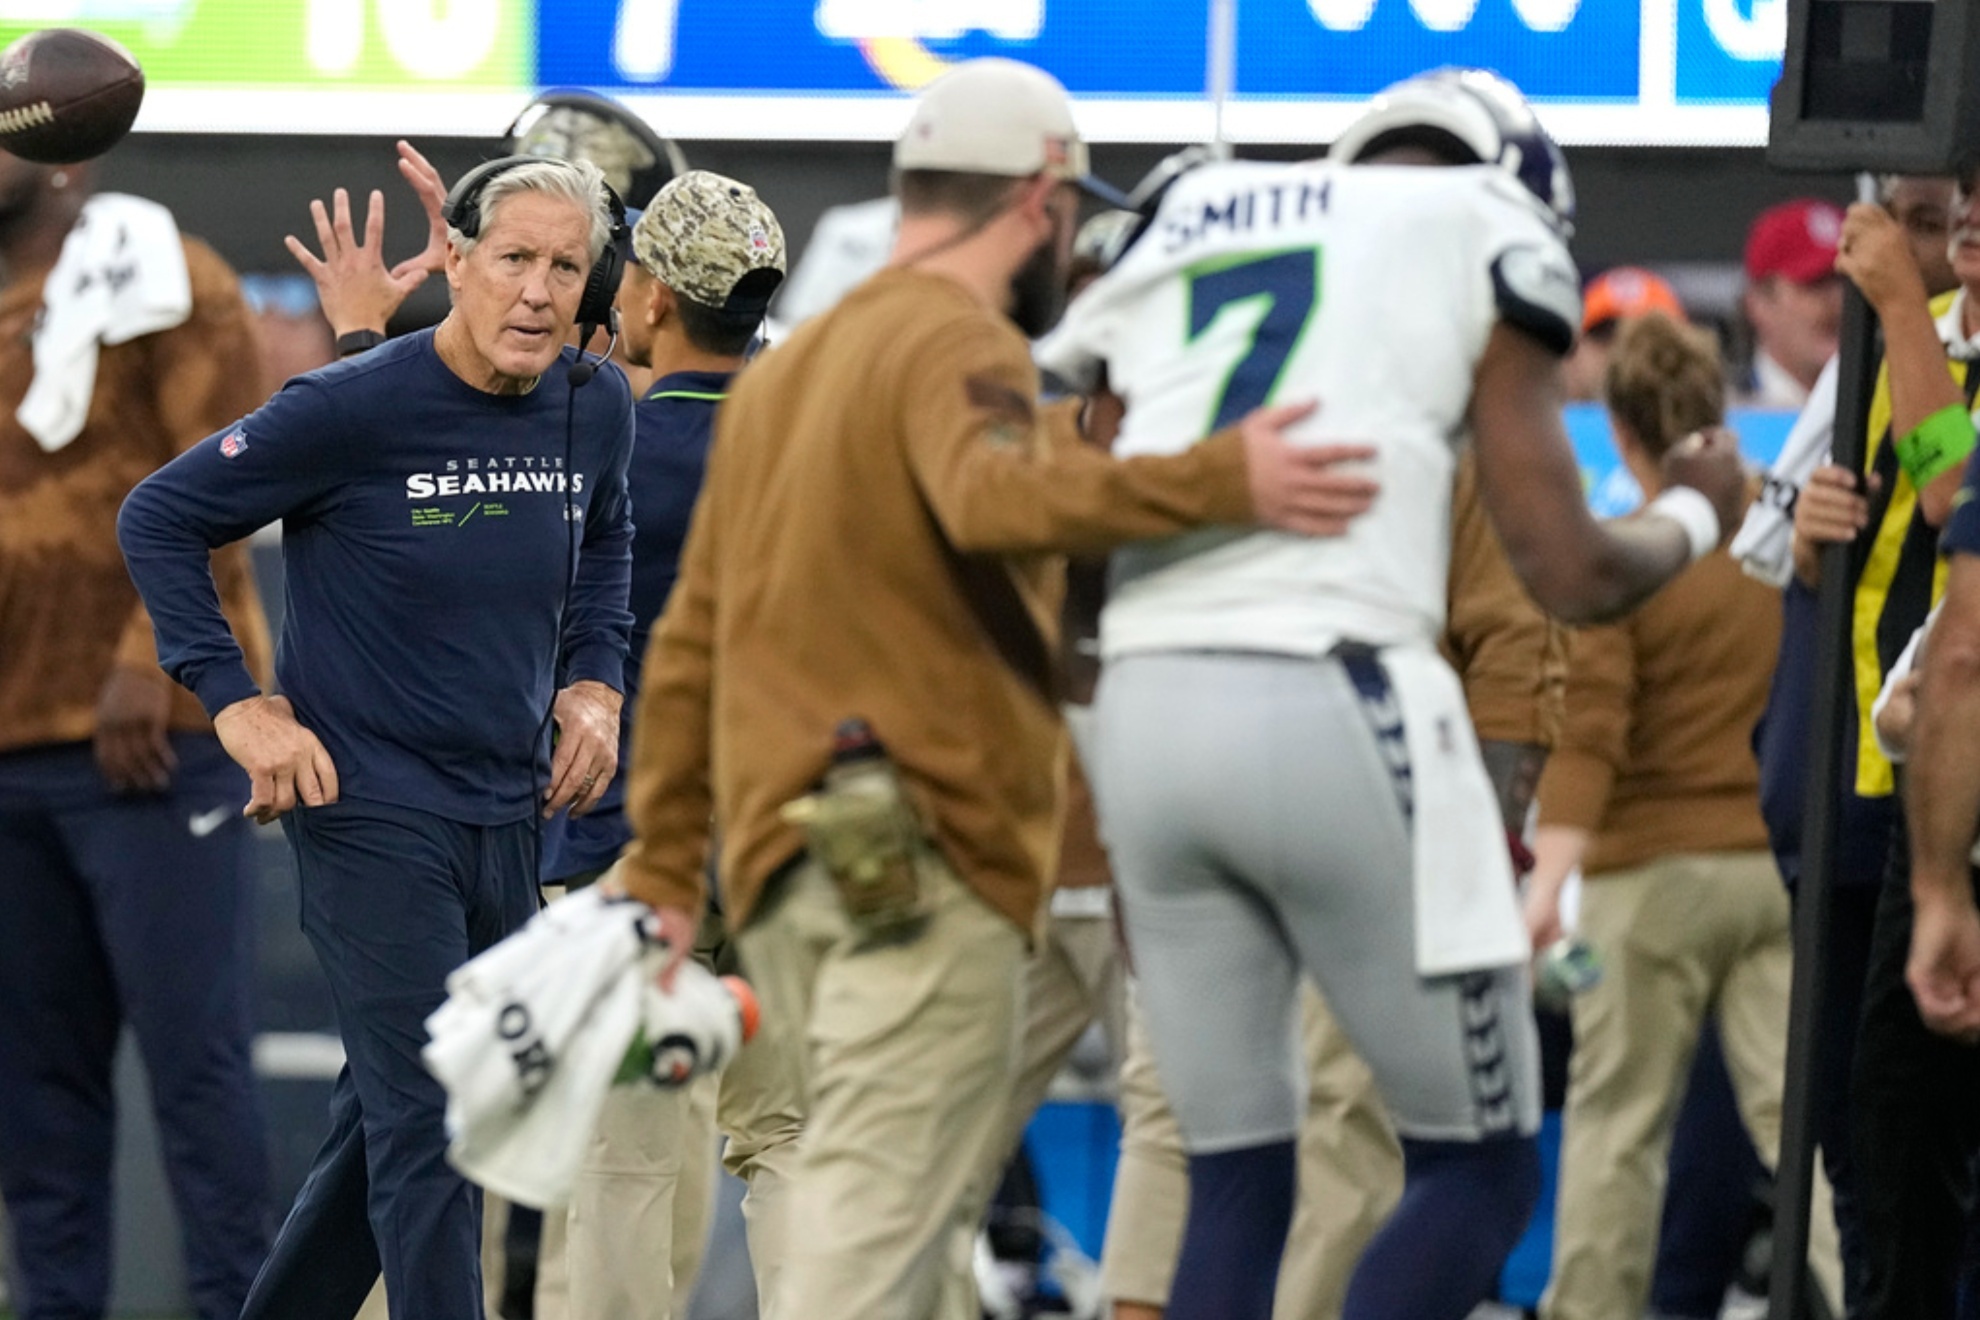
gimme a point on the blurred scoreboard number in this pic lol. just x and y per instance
(435, 39)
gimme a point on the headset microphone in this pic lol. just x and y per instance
(585, 368)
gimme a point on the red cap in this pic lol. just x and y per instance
(1626, 291)
(1797, 239)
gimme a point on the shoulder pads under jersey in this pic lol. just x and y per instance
(1537, 290)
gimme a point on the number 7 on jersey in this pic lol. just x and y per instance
(1288, 285)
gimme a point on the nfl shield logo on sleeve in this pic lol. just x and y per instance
(232, 446)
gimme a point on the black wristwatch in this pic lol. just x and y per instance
(357, 341)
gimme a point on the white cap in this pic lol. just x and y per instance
(997, 116)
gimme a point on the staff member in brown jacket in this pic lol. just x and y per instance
(1653, 792)
(123, 865)
(873, 542)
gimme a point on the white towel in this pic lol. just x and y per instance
(528, 1041)
(535, 1030)
(122, 274)
(1764, 546)
(1467, 905)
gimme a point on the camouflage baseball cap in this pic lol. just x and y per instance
(713, 241)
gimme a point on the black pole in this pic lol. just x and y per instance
(1788, 1294)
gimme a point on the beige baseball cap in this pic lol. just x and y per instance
(997, 116)
(713, 241)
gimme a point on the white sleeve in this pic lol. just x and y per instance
(1807, 445)
(1078, 348)
(1906, 662)
(1764, 546)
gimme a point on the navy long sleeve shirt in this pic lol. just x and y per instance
(432, 534)
(672, 427)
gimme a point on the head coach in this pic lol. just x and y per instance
(873, 541)
(456, 533)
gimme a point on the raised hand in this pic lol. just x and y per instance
(1876, 256)
(357, 290)
(431, 190)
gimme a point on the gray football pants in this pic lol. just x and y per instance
(1257, 831)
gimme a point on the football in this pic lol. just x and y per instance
(66, 95)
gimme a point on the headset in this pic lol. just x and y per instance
(462, 211)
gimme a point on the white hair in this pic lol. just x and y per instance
(577, 181)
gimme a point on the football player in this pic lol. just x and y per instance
(1286, 772)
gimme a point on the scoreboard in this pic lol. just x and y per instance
(1621, 72)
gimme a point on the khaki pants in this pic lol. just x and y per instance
(760, 1111)
(1074, 978)
(648, 1180)
(649, 1177)
(1350, 1176)
(1680, 938)
(611, 1271)
(907, 1054)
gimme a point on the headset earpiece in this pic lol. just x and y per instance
(601, 287)
(462, 209)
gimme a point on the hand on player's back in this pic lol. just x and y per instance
(1708, 462)
(1309, 489)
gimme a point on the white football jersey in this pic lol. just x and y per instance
(1369, 289)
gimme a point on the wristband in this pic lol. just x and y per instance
(1940, 443)
(1689, 508)
(357, 341)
